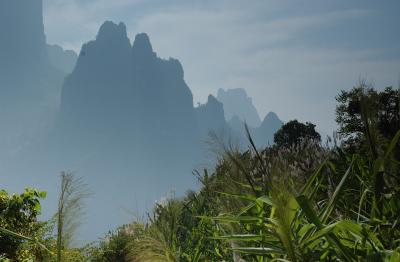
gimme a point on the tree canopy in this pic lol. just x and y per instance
(293, 132)
(18, 215)
(364, 113)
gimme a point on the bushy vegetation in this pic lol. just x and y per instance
(298, 200)
(18, 220)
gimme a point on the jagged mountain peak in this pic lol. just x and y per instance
(142, 43)
(110, 30)
(236, 91)
(213, 105)
(108, 52)
(271, 117)
(142, 48)
(237, 102)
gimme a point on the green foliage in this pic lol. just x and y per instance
(294, 132)
(315, 223)
(363, 102)
(116, 245)
(20, 231)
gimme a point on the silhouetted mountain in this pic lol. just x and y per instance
(118, 89)
(237, 124)
(262, 135)
(210, 117)
(25, 70)
(237, 103)
(127, 112)
(95, 96)
(163, 100)
(29, 84)
(63, 60)
(22, 38)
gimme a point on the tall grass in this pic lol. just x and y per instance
(70, 208)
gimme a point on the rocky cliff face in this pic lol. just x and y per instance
(22, 35)
(210, 117)
(96, 92)
(121, 89)
(23, 56)
(163, 100)
(29, 84)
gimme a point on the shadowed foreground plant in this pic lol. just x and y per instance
(283, 224)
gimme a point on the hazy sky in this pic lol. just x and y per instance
(292, 57)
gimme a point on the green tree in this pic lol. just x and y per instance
(364, 102)
(293, 132)
(19, 224)
(368, 121)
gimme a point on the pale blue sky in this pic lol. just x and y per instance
(292, 57)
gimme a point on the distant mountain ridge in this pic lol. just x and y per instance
(237, 103)
(239, 110)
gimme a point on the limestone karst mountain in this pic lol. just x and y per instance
(126, 122)
(238, 103)
(26, 72)
(29, 83)
(23, 42)
(210, 117)
(262, 135)
(239, 109)
(123, 91)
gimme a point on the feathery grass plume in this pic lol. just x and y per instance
(73, 192)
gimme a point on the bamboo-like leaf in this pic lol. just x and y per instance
(307, 187)
(363, 197)
(392, 145)
(239, 196)
(233, 219)
(265, 200)
(261, 251)
(22, 237)
(313, 217)
(332, 201)
(240, 237)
